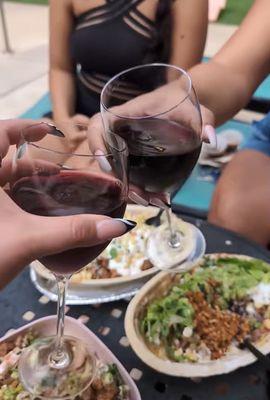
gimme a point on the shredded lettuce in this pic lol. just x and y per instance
(222, 280)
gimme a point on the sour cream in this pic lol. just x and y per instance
(261, 295)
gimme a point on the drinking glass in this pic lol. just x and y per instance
(56, 176)
(163, 132)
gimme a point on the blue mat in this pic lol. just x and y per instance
(197, 192)
(41, 107)
(263, 91)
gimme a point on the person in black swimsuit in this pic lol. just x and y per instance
(92, 40)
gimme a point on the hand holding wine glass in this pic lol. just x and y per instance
(26, 237)
(162, 125)
(50, 184)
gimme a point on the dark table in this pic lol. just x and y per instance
(248, 383)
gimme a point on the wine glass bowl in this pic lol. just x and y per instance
(58, 176)
(161, 123)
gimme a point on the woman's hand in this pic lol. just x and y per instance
(151, 104)
(155, 102)
(25, 237)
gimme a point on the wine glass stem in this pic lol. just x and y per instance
(174, 239)
(59, 357)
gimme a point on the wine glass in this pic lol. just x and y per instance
(60, 176)
(163, 132)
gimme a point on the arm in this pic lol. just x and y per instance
(26, 237)
(61, 74)
(226, 83)
(190, 21)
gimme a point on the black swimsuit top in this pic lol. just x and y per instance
(106, 40)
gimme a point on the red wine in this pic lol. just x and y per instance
(70, 193)
(162, 153)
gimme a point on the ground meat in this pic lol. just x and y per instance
(146, 265)
(114, 273)
(217, 328)
(97, 384)
(109, 392)
(87, 395)
(3, 349)
(101, 270)
(6, 347)
(103, 262)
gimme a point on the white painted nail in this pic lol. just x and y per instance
(210, 134)
(102, 160)
(113, 227)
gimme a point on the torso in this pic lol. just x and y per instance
(148, 7)
(108, 37)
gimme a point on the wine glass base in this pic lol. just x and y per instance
(167, 258)
(46, 380)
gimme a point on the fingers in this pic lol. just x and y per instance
(11, 132)
(95, 135)
(54, 235)
(208, 132)
(143, 198)
(81, 119)
(12, 171)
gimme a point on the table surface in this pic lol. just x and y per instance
(106, 321)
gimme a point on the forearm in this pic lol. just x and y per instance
(227, 82)
(221, 89)
(63, 95)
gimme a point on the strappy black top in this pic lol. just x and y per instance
(106, 40)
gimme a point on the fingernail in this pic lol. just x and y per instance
(210, 134)
(103, 161)
(133, 196)
(21, 151)
(64, 167)
(113, 227)
(128, 222)
(54, 130)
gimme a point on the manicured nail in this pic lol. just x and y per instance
(21, 151)
(103, 161)
(133, 196)
(128, 222)
(210, 134)
(113, 227)
(64, 167)
(54, 130)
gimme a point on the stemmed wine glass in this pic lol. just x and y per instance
(162, 127)
(52, 178)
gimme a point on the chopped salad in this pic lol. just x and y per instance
(209, 310)
(107, 385)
